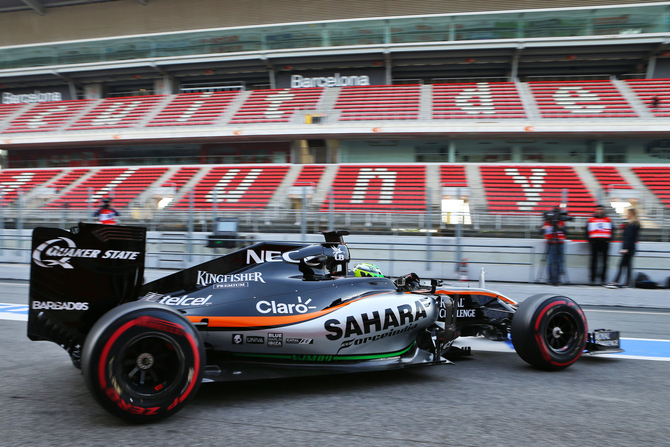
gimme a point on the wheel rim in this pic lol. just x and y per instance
(562, 332)
(150, 365)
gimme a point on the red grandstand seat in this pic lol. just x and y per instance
(14, 181)
(123, 184)
(514, 189)
(609, 177)
(47, 116)
(390, 102)
(268, 106)
(7, 110)
(379, 188)
(235, 187)
(310, 175)
(453, 176)
(654, 93)
(112, 113)
(480, 100)
(656, 179)
(194, 109)
(580, 99)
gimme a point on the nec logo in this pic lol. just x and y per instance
(269, 256)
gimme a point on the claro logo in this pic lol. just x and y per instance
(58, 252)
(58, 305)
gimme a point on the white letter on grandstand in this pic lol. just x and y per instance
(194, 107)
(105, 190)
(569, 97)
(16, 182)
(276, 100)
(363, 182)
(531, 185)
(296, 81)
(483, 92)
(38, 120)
(238, 192)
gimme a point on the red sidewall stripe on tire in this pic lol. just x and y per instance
(139, 321)
(540, 340)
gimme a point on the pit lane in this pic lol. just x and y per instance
(492, 398)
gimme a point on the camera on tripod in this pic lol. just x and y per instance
(557, 215)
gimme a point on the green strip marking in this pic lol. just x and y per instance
(334, 357)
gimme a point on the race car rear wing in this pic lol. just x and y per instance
(77, 276)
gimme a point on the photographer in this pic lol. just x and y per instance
(554, 235)
(599, 233)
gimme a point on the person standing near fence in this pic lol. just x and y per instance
(106, 214)
(599, 233)
(631, 234)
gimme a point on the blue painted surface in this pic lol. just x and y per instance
(646, 348)
(15, 309)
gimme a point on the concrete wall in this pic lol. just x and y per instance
(126, 17)
(507, 260)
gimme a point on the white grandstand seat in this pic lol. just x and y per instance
(393, 102)
(379, 189)
(112, 113)
(514, 189)
(480, 100)
(194, 109)
(236, 187)
(14, 180)
(648, 89)
(47, 116)
(580, 99)
(276, 106)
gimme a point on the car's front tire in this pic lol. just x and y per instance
(549, 331)
(143, 361)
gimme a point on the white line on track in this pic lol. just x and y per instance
(626, 312)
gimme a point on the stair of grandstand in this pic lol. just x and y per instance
(276, 106)
(235, 187)
(513, 189)
(393, 102)
(648, 90)
(48, 116)
(379, 189)
(633, 99)
(14, 182)
(112, 113)
(580, 99)
(656, 180)
(194, 109)
(480, 100)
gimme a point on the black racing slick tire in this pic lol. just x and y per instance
(549, 331)
(143, 361)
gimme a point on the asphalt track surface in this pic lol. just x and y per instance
(492, 398)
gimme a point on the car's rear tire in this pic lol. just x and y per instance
(549, 331)
(143, 361)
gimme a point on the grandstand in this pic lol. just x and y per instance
(348, 111)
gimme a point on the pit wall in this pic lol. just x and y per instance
(506, 260)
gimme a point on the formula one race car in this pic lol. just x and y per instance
(269, 310)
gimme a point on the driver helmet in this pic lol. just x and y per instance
(366, 270)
